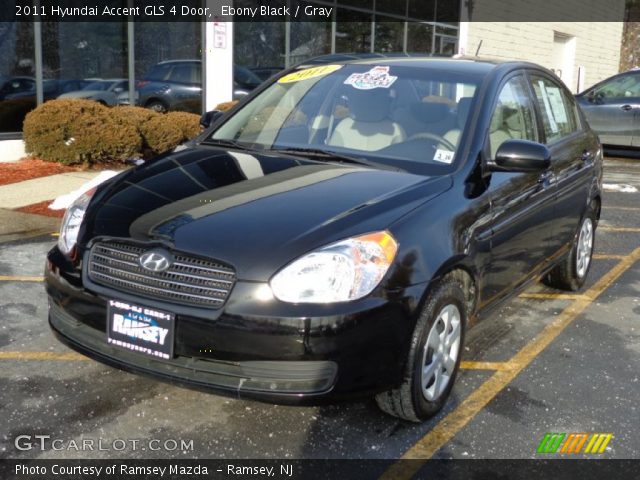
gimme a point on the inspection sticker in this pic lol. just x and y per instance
(377, 77)
(308, 73)
(444, 156)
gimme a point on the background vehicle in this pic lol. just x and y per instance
(102, 91)
(51, 88)
(13, 85)
(336, 234)
(264, 73)
(177, 85)
(612, 108)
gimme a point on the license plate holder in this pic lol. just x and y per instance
(140, 329)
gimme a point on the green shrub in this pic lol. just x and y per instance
(161, 135)
(82, 131)
(189, 123)
(78, 131)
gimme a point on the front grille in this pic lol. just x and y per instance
(189, 280)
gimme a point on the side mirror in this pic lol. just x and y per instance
(209, 117)
(520, 156)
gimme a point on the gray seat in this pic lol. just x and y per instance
(368, 126)
(462, 112)
(498, 132)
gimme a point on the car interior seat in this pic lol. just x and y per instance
(462, 112)
(498, 132)
(368, 126)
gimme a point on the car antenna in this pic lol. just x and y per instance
(478, 49)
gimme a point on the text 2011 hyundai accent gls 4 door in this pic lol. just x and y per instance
(336, 234)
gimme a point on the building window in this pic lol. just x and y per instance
(17, 74)
(168, 67)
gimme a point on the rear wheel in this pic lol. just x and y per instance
(434, 356)
(572, 272)
(157, 106)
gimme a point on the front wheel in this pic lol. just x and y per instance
(434, 356)
(572, 272)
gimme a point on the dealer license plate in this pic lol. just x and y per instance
(140, 329)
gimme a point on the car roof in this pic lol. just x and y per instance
(184, 60)
(466, 63)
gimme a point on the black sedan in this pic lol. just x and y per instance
(336, 234)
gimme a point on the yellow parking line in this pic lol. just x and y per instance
(41, 356)
(470, 365)
(605, 256)
(620, 207)
(552, 296)
(455, 421)
(605, 228)
(20, 278)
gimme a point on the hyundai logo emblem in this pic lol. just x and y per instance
(155, 260)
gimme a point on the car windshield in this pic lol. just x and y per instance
(404, 116)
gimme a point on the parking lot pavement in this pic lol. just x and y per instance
(545, 362)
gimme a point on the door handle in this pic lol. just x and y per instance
(626, 108)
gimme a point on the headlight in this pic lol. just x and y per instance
(342, 271)
(71, 222)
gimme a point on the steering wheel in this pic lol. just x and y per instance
(433, 136)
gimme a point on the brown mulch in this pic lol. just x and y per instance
(41, 209)
(29, 168)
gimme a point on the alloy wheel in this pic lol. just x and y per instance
(584, 247)
(440, 353)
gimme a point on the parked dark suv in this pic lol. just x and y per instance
(177, 85)
(337, 234)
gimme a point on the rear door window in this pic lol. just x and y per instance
(159, 72)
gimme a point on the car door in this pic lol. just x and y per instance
(521, 203)
(612, 109)
(572, 155)
(186, 87)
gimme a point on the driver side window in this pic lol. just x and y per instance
(620, 87)
(513, 116)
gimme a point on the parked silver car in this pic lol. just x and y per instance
(102, 91)
(612, 108)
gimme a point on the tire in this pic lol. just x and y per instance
(416, 400)
(157, 106)
(572, 272)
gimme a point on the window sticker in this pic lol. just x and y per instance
(547, 106)
(308, 73)
(377, 77)
(444, 156)
(557, 105)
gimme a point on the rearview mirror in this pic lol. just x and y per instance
(520, 156)
(209, 117)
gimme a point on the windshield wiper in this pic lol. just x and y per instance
(223, 142)
(334, 156)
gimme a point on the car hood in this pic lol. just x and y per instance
(256, 212)
(82, 94)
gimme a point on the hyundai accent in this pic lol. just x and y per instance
(336, 234)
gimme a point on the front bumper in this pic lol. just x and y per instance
(270, 352)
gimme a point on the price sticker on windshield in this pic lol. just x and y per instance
(308, 73)
(444, 156)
